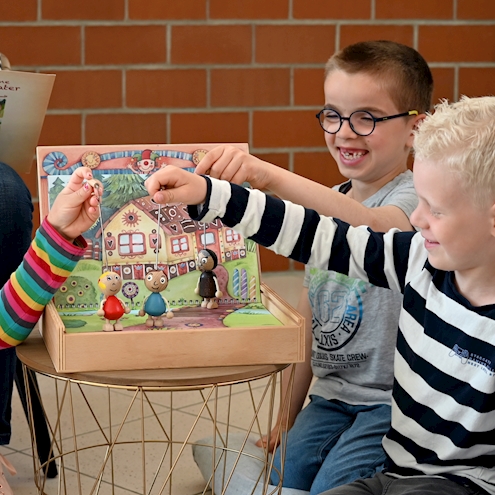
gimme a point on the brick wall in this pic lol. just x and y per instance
(144, 71)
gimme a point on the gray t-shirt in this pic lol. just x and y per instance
(355, 323)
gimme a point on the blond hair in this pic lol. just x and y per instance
(461, 136)
(399, 68)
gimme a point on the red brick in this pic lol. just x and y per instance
(331, 9)
(308, 87)
(249, 9)
(211, 44)
(158, 9)
(31, 180)
(166, 88)
(271, 262)
(286, 128)
(83, 9)
(476, 9)
(41, 45)
(250, 87)
(36, 216)
(294, 44)
(126, 128)
(414, 9)
(61, 130)
(476, 81)
(319, 167)
(20, 10)
(457, 43)
(125, 44)
(352, 34)
(444, 84)
(87, 89)
(209, 127)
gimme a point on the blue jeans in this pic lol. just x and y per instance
(16, 225)
(333, 443)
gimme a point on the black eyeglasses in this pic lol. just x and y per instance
(361, 122)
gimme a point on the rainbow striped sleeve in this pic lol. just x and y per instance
(48, 262)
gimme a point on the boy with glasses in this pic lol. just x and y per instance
(375, 94)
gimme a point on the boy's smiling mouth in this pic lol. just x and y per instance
(349, 155)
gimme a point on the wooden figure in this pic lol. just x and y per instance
(207, 286)
(155, 305)
(111, 308)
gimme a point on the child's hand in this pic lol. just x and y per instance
(174, 185)
(230, 163)
(76, 207)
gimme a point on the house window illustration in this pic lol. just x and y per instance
(132, 244)
(207, 239)
(232, 236)
(180, 245)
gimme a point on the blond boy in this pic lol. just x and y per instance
(441, 438)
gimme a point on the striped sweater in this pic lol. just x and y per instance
(443, 405)
(48, 262)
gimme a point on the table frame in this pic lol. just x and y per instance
(141, 383)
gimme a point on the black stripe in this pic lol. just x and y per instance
(401, 248)
(340, 253)
(374, 260)
(236, 206)
(414, 304)
(271, 222)
(427, 456)
(302, 248)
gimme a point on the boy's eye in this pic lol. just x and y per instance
(364, 117)
(331, 115)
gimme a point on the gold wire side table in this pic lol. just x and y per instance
(139, 425)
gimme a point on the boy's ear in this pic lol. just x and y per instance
(416, 121)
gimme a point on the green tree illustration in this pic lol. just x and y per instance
(120, 189)
(57, 186)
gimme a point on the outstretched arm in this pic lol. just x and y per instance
(229, 163)
(289, 229)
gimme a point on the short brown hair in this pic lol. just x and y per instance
(401, 68)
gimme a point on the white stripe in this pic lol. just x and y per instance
(322, 243)
(251, 220)
(219, 198)
(389, 266)
(357, 238)
(291, 229)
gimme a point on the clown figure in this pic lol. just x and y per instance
(111, 308)
(155, 305)
(207, 286)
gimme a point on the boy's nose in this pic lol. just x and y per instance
(416, 219)
(345, 131)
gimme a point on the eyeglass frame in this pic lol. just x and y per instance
(375, 119)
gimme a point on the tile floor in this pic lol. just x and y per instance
(187, 478)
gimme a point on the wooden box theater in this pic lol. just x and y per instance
(137, 239)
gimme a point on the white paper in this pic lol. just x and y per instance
(24, 99)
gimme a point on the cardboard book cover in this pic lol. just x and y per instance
(135, 238)
(24, 99)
